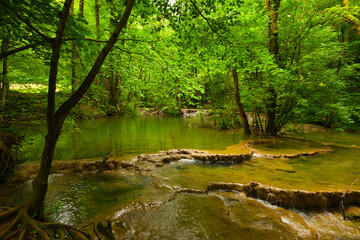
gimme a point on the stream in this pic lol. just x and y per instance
(149, 207)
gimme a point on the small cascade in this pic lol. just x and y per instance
(271, 198)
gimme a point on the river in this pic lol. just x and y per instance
(144, 207)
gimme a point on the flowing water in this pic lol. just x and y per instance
(146, 207)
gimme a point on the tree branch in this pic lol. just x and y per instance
(206, 19)
(36, 44)
(66, 107)
(19, 49)
(151, 60)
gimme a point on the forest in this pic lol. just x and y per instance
(252, 103)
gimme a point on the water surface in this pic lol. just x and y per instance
(129, 136)
(144, 207)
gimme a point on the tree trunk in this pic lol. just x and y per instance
(81, 8)
(114, 87)
(239, 104)
(272, 7)
(97, 20)
(4, 77)
(271, 127)
(74, 62)
(114, 78)
(56, 119)
(74, 75)
(40, 184)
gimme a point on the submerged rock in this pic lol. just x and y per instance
(295, 148)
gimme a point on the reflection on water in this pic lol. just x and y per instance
(96, 138)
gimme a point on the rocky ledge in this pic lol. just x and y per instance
(290, 198)
(143, 162)
(176, 154)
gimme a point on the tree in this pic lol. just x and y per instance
(239, 103)
(272, 7)
(55, 120)
(4, 74)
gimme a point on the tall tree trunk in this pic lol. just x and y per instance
(40, 183)
(81, 8)
(114, 78)
(239, 104)
(271, 127)
(74, 65)
(4, 75)
(55, 120)
(272, 7)
(97, 20)
(114, 87)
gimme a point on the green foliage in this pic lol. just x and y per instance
(129, 110)
(218, 118)
(225, 118)
(174, 55)
(172, 111)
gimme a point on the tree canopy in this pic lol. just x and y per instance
(271, 62)
(288, 55)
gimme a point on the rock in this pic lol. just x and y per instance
(289, 198)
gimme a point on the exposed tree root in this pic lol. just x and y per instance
(16, 223)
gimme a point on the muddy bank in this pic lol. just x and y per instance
(290, 198)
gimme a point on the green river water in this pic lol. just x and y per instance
(129, 136)
(141, 208)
